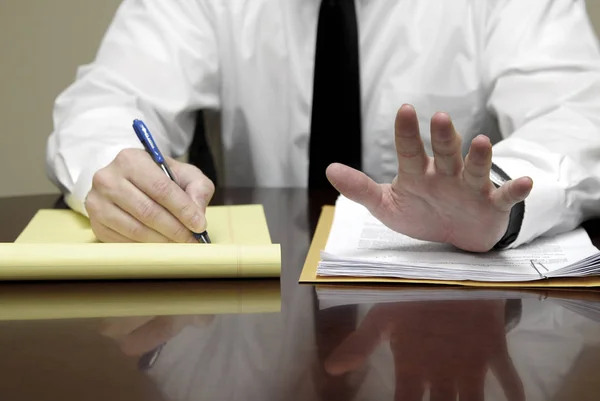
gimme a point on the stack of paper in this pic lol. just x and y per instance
(60, 244)
(360, 246)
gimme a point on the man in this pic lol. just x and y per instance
(301, 84)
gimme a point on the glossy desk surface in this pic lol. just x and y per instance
(278, 340)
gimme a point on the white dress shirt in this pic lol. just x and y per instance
(525, 73)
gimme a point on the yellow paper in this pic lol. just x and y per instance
(60, 244)
(309, 271)
(124, 299)
(239, 224)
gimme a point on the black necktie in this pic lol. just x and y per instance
(336, 118)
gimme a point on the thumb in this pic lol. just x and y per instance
(198, 186)
(511, 193)
(355, 185)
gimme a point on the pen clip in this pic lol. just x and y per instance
(145, 137)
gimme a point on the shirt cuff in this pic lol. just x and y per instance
(543, 206)
(76, 198)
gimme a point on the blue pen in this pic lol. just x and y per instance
(143, 134)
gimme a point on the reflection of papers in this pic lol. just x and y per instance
(331, 296)
(108, 299)
(589, 309)
(60, 244)
(582, 302)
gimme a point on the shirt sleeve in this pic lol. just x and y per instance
(542, 63)
(158, 62)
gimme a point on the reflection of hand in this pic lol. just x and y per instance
(440, 198)
(138, 335)
(447, 346)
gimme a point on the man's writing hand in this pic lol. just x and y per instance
(133, 200)
(440, 198)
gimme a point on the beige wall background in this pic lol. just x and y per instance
(42, 42)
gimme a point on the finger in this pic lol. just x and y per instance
(505, 371)
(472, 391)
(446, 145)
(443, 391)
(201, 320)
(478, 163)
(412, 158)
(151, 180)
(107, 235)
(117, 327)
(442, 385)
(511, 193)
(355, 185)
(357, 347)
(410, 387)
(472, 380)
(188, 175)
(139, 205)
(104, 213)
(195, 183)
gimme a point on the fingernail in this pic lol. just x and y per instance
(485, 137)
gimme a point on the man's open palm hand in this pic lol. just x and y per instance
(440, 198)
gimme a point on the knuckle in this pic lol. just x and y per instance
(148, 211)
(124, 158)
(210, 187)
(162, 190)
(506, 197)
(91, 204)
(188, 213)
(102, 180)
(510, 193)
(477, 172)
(446, 150)
(135, 231)
(407, 154)
(181, 234)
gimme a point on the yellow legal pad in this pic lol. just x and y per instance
(60, 244)
(309, 271)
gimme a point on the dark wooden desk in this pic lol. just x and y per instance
(365, 344)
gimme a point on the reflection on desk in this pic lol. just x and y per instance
(410, 349)
(34, 301)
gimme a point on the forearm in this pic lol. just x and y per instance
(543, 71)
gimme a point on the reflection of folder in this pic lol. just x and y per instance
(309, 271)
(330, 295)
(36, 301)
(60, 244)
